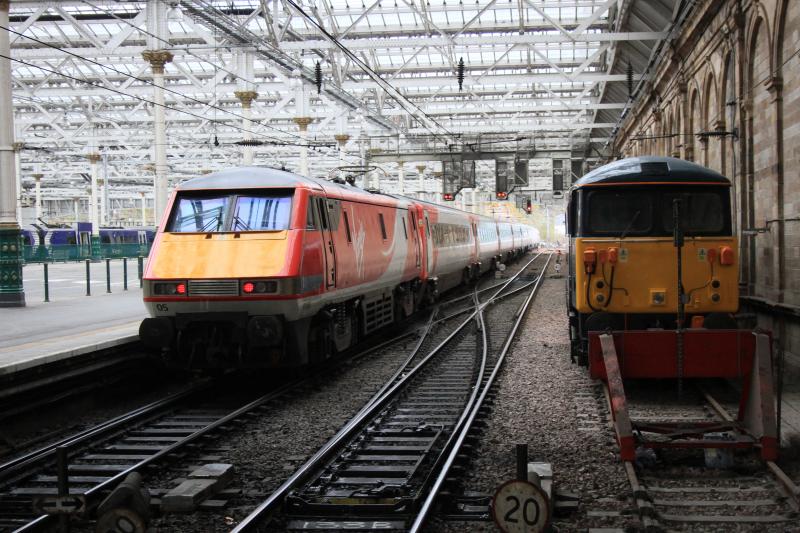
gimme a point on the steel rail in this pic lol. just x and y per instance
(270, 505)
(785, 481)
(463, 431)
(48, 451)
(111, 482)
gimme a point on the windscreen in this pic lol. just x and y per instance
(647, 211)
(620, 212)
(260, 213)
(198, 213)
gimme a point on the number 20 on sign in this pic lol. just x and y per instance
(520, 506)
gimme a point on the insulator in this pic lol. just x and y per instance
(629, 74)
(460, 74)
(216, 141)
(318, 76)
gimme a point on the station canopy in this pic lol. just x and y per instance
(396, 76)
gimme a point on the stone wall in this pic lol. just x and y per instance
(727, 96)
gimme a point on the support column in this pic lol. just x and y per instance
(12, 293)
(77, 204)
(439, 186)
(144, 210)
(105, 210)
(94, 216)
(342, 139)
(18, 166)
(421, 170)
(38, 204)
(246, 98)
(401, 177)
(157, 60)
(302, 123)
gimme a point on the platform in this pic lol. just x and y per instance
(71, 323)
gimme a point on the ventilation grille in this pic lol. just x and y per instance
(214, 287)
(378, 313)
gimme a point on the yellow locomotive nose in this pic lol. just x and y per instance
(220, 255)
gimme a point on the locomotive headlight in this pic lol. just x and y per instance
(259, 287)
(170, 289)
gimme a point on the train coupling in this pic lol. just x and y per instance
(264, 331)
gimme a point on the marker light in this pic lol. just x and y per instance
(248, 287)
(181, 288)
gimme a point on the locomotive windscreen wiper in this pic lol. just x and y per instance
(239, 222)
(630, 224)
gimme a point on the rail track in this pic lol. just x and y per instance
(101, 457)
(386, 466)
(680, 492)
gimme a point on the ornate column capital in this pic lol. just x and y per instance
(157, 59)
(93, 158)
(37, 176)
(303, 122)
(246, 97)
(341, 138)
(205, 171)
(421, 168)
(18, 146)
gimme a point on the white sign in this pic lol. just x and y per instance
(540, 174)
(520, 507)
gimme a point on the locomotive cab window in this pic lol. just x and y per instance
(701, 212)
(618, 212)
(647, 211)
(258, 213)
(213, 213)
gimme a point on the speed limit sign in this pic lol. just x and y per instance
(520, 506)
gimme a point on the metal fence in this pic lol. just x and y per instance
(71, 252)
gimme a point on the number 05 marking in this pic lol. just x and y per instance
(520, 506)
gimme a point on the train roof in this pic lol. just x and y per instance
(263, 177)
(651, 169)
(247, 178)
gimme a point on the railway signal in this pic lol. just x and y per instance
(448, 197)
(501, 195)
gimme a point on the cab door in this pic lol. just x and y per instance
(327, 242)
(422, 242)
(412, 216)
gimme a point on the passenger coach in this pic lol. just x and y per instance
(260, 267)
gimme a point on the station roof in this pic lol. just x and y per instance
(538, 75)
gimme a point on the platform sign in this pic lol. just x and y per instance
(72, 504)
(520, 507)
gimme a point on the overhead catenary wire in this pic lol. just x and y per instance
(388, 87)
(149, 82)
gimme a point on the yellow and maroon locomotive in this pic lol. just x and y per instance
(623, 270)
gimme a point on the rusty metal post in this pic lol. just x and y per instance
(522, 462)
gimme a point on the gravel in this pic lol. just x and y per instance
(550, 404)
